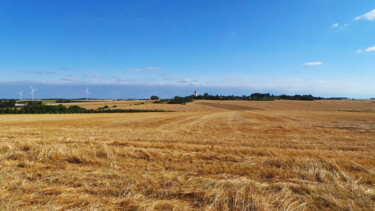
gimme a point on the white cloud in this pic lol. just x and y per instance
(368, 16)
(313, 63)
(69, 79)
(142, 69)
(336, 25)
(370, 49)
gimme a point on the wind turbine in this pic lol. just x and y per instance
(20, 93)
(87, 93)
(32, 92)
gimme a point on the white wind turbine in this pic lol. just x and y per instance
(87, 93)
(32, 92)
(20, 93)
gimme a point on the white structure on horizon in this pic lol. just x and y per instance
(195, 93)
(20, 93)
(32, 92)
(87, 93)
(21, 104)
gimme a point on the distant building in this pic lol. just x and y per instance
(195, 93)
(21, 104)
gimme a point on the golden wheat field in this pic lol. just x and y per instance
(206, 155)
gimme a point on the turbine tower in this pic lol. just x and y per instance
(20, 93)
(87, 93)
(32, 92)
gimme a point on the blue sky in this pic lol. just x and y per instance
(131, 49)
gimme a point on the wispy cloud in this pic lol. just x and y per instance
(142, 69)
(325, 82)
(134, 70)
(125, 79)
(69, 79)
(152, 68)
(179, 81)
(169, 77)
(336, 25)
(288, 82)
(39, 72)
(313, 63)
(63, 69)
(95, 75)
(228, 84)
(368, 16)
(359, 51)
(185, 81)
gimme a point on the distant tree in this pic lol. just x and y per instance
(181, 100)
(154, 97)
(63, 101)
(12, 103)
(34, 103)
(261, 97)
(7, 103)
(76, 109)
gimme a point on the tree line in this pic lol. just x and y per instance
(7, 103)
(61, 109)
(12, 103)
(252, 97)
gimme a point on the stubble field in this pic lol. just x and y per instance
(210, 155)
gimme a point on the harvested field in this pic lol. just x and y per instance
(213, 155)
(228, 106)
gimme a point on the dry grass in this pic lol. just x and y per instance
(229, 156)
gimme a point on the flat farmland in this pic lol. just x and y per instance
(206, 155)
